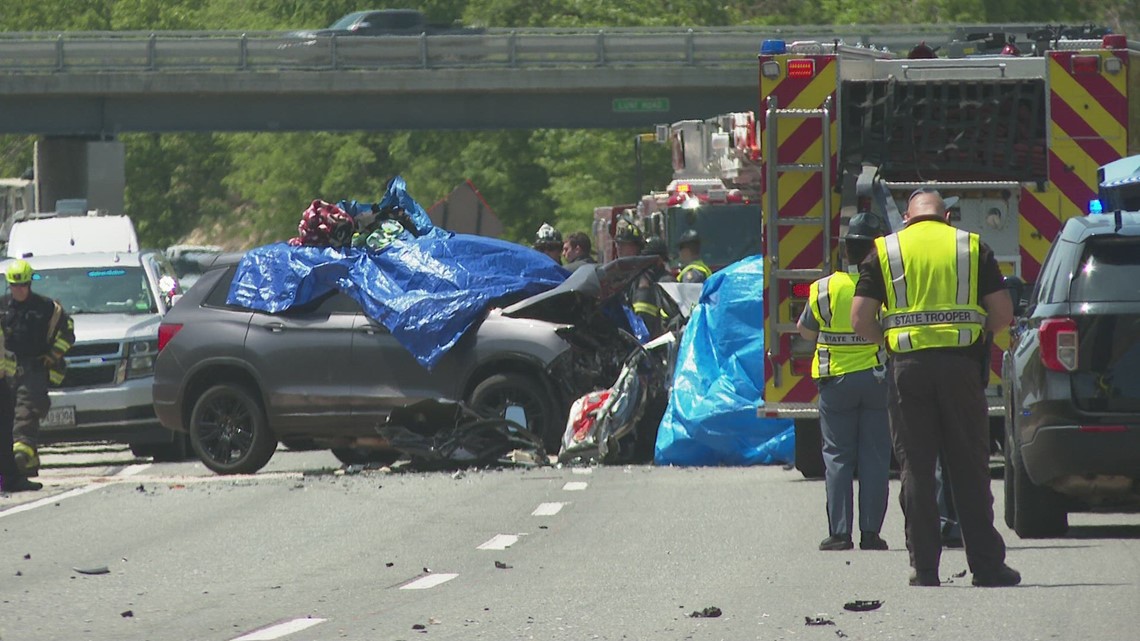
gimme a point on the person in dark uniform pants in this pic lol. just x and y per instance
(851, 375)
(940, 289)
(12, 479)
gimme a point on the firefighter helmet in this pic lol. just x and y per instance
(690, 237)
(547, 236)
(654, 246)
(629, 232)
(864, 226)
(19, 272)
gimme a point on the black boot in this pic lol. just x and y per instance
(16, 483)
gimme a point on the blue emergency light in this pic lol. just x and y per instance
(1095, 206)
(773, 47)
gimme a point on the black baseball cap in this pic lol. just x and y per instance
(949, 202)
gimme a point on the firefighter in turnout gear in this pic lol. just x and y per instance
(851, 375)
(11, 478)
(940, 289)
(37, 333)
(693, 269)
(647, 296)
(548, 240)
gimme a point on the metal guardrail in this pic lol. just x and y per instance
(173, 51)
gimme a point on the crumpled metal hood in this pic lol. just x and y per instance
(579, 296)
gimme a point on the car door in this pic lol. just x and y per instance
(386, 375)
(302, 356)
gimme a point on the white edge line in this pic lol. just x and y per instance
(425, 582)
(279, 630)
(131, 470)
(575, 486)
(79, 491)
(50, 500)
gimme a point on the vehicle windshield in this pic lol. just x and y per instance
(347, 21)
(1108, 271)
(728, 232)
(101, 290)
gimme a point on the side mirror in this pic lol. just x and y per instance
(1016, 288)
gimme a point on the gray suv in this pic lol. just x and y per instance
(325, 374)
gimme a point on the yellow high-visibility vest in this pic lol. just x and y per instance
(838, 349)
(697, 265)
(930, 271)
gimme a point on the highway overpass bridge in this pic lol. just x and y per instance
(73, 88)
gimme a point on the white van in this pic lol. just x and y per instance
(55, 234)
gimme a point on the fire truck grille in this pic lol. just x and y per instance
(955, 129)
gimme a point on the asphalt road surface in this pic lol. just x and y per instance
(116, 548)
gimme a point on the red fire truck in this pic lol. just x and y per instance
(1016, 134)
(715, 190)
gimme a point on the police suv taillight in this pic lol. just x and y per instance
(166, 331)
(1058, 337)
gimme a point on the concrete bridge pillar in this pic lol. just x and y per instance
(71, 167)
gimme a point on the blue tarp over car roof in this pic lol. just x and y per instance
(427, 289)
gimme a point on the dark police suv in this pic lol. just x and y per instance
(1072, 380)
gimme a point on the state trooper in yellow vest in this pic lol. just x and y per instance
(851, 374)
(37, 333)
(940, 289)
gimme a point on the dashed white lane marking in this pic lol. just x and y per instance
(279, 630)
(582, 470)
(499, 542)
(429, 581)
(547, 509)
(79, 491)
(575, 486)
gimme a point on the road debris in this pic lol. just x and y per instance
(102, 569)
(710, 612)
(140, 488)
(126, 614)
(819, 620)
(503, 566)
(862, 606)
(958, 575)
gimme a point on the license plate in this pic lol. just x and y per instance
(58, 417)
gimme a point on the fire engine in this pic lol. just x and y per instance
(715, 190)
(1016, 135)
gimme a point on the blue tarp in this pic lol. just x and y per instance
(717, 385)
(427, 290)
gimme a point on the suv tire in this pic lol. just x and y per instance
(229, 432)
(1037, 511)
(493, 394)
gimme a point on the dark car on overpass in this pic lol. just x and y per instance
(240, 380)
(1072, 380)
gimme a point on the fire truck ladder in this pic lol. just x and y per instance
(778, 326)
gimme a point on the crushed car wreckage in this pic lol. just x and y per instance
(325, 338)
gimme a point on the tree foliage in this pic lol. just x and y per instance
(246, 188)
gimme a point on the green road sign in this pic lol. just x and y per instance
(627, 105)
